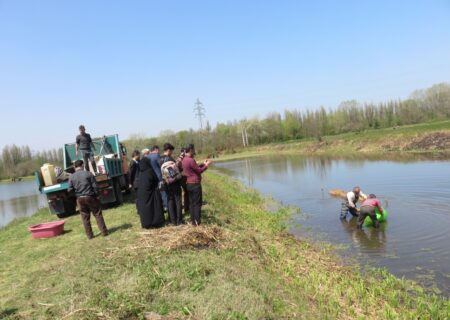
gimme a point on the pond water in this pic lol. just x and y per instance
(19, 199)
(414, 243)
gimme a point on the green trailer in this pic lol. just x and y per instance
(111, 178)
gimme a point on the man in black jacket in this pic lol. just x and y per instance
(133, 172)
(173, 187)
(85, 187)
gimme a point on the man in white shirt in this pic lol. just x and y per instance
(349, 204)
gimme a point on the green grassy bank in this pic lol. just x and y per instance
(412, 141)
(241, 265)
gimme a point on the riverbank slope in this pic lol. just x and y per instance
(242, 264)
(420, 140)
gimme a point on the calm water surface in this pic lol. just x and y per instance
(414, 243)
(20, 199)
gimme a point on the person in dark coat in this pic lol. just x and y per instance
(173, 186)
(149, 200)
(133, 173)
(133, 170)
(86, 189)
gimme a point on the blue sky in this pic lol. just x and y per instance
(138, 66)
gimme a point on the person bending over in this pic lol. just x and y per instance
(349, 204)
(368, 209)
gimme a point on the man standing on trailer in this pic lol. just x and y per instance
(85, 187)
(85, 145)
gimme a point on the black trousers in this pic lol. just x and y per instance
(367, 211)
(88, 156)
(195, 202)
(88, 205)
(345, 208)
(174, 203)
(136, 200)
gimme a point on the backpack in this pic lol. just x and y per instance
(170, 172)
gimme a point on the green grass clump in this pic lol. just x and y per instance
(258, 271)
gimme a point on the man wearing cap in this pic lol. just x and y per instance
(86, 190)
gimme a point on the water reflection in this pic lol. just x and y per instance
(321, 166)
(249, 168)
(367, 239)
(19, 200)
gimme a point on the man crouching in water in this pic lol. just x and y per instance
(85, 186)
(368, 209)
(349, 204)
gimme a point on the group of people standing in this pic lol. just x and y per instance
(160, 180)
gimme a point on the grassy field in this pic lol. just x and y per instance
(420, 140)
(242, 264)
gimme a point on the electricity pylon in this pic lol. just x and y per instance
(199, 112)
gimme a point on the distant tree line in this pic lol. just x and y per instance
(18, 161)
(430, 104)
